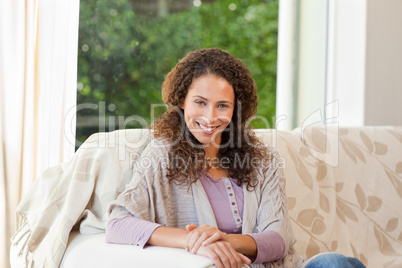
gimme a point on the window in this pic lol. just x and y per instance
(126, 47)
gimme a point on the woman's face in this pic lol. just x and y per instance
(208, 108)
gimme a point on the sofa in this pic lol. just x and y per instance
(344, 190)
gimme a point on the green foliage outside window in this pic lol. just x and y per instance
(124, 56)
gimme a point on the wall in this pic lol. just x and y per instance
(383, 80)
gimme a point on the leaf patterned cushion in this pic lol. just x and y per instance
(344, 188)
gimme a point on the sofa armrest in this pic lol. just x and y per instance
(94, 251)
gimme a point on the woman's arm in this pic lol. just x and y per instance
(134, 231)
(244, 244)
(168, 237)
(221, 253)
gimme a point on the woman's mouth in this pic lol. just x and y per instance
(207, 130)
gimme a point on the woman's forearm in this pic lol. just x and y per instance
(220, 252)
(168, 237)
(244, 244)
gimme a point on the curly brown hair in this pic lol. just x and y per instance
(238, 140)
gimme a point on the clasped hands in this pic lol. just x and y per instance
(210, 242)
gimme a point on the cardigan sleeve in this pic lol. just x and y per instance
(272, 208)
(129, 230)
(270, 246)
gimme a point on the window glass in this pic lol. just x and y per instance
(126, 47)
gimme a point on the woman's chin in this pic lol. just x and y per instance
(204, 141)
(208, 143)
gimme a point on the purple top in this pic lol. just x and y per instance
(227, 202)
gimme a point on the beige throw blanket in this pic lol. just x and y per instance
(75, 195)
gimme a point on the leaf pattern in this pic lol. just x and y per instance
(308, 216)
(318, 227)
(339, 187)
(340, 215)
(345, 209)
(398, 168)
(367, 141)
(363, 259)
(374, 203)
(312, 249)
(354, 250)
(380, 148)
(291, 203)
(396, 182)
(319, 140)
(355, 150)
(385, 246)
(334, 245)
(361, 197)
(321, 170)
(392, 224)
(301, 170)
(349, 152)
(324, 203)
(397, 134)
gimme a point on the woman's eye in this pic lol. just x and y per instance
(200, 102)
(222, 106)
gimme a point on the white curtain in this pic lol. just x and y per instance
(38, 66)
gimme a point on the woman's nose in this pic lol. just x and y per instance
(211, 114)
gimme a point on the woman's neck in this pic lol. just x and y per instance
(211, 151)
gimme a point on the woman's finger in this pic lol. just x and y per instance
(213, 238)
(197, 243)
(190, 227)
(228, 256)
(237, 257)
(192, 237)
(198, 235)
(210, 253)
(244, 259)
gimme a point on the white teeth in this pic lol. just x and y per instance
(206, 128)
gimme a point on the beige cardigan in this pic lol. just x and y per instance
(151, 197)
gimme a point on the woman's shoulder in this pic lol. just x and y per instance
(269, 164)
(156, 147)
(153, 159)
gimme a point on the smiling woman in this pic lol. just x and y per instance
(211, 96)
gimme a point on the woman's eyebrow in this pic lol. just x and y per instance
(200, 97)
(203, 98)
